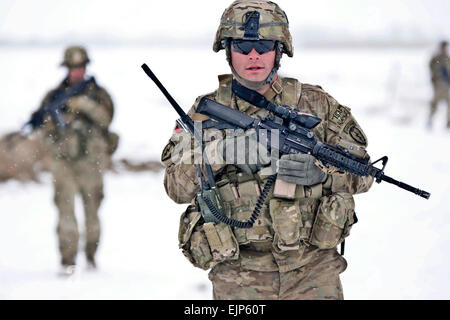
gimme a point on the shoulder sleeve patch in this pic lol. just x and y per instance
(353, 130)
(340, 115)
(357, 135)
(167, 152)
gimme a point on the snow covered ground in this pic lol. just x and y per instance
(398, 250)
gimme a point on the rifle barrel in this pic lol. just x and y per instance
(405, 186)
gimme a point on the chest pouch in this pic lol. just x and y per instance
(292, 222)
(334, 219)
(68, 145)
(286, 221)
(240, 199)
(205, 243)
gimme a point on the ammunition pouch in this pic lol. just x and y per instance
(286, 221)
(285, 226)
(334, 219)
(205, 244)
(292, 222)
(322, 221)
(66, 145)
(82, 138)
(70, 145)
(240, 194)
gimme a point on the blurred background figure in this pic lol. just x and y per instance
(440, 77)
(74, 118)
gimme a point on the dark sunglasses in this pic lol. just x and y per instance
(245, 46)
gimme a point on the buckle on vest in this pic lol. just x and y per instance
(276, 86)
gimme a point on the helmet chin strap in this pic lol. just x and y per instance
(256, 85)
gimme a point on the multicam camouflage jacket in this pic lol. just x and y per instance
(287, 231)
(88, 116)
(440, 69)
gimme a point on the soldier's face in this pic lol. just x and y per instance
(76, 75)
(253, 66)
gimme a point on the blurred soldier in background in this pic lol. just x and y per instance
(290, 251)
(440, 77)
(75, 117)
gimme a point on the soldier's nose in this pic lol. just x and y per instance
(253, 55)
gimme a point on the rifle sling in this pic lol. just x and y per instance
(249, 95)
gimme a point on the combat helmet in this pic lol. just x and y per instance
(75, 57)
(254, 20)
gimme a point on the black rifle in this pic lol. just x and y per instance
(295, 136)
(56, 106)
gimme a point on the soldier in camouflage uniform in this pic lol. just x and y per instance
(80, 154)
(290, 252)
(440, 78)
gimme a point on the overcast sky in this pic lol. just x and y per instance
(24, 20)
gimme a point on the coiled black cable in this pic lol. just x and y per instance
(259, 203)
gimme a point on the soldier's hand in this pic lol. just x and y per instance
(244, 151)
(300, 169)
(81, 103)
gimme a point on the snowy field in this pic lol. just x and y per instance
(398, 250)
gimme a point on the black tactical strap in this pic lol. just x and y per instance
(249, 95)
